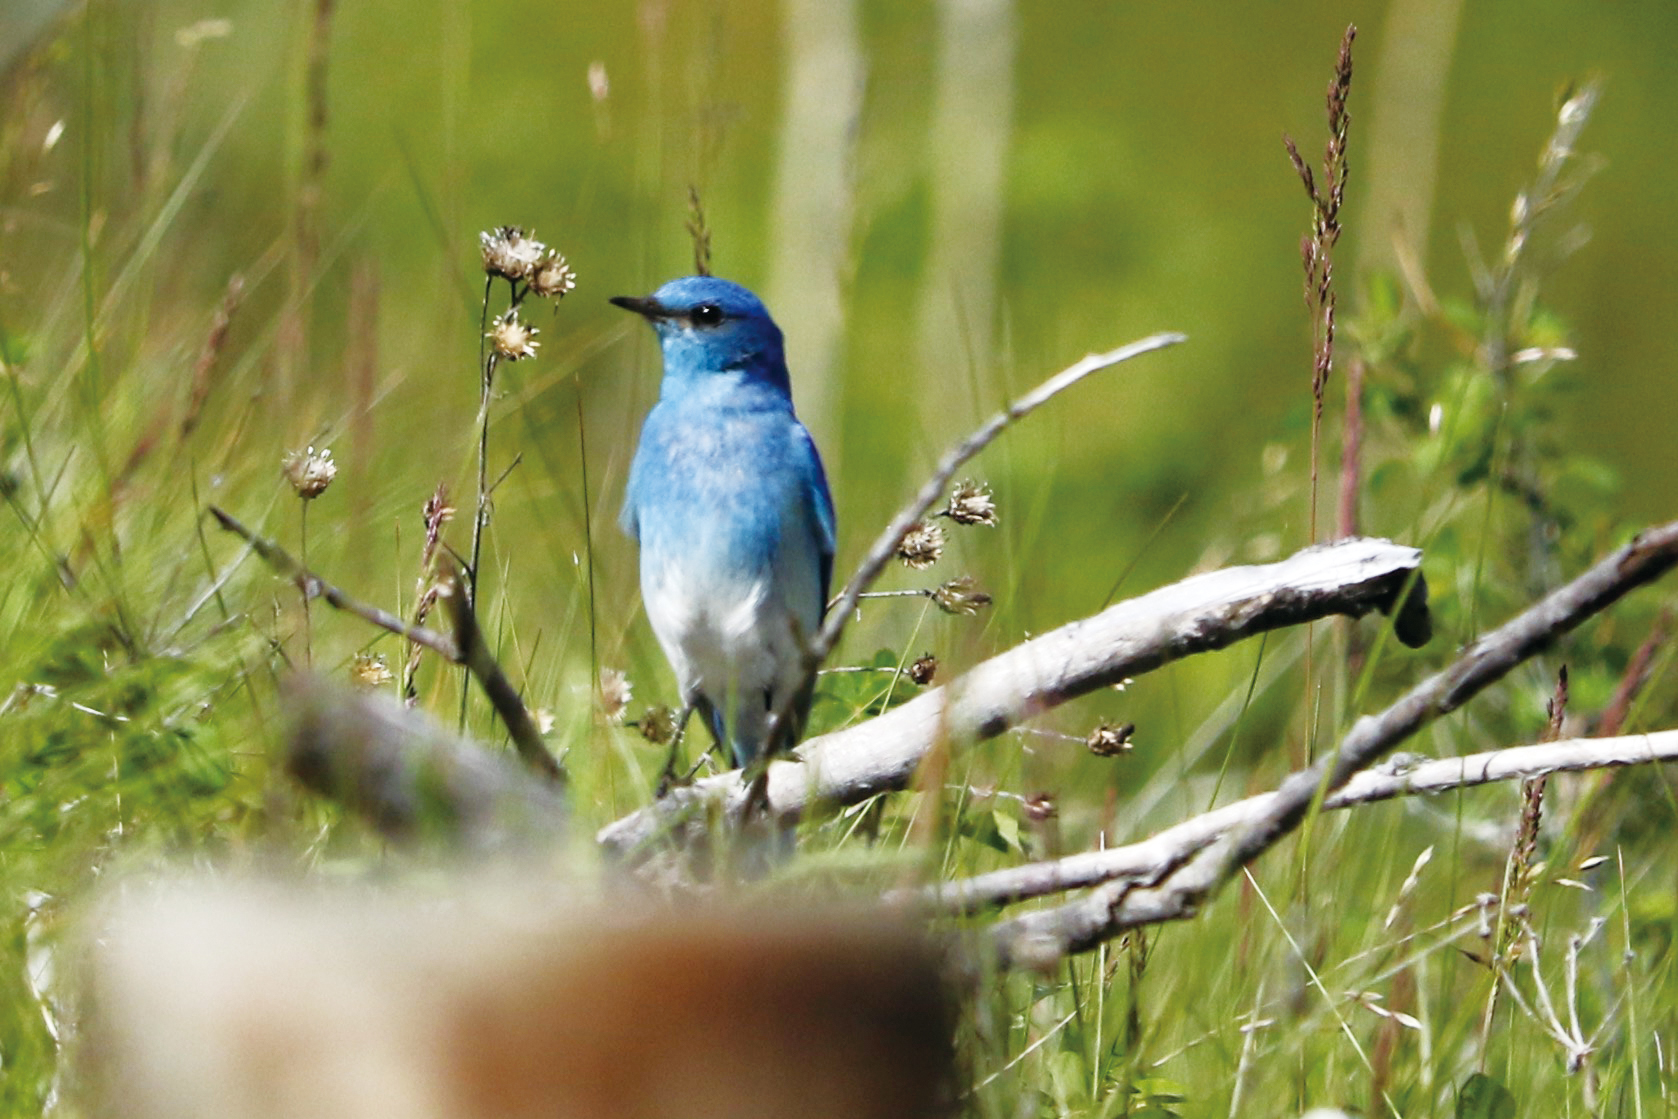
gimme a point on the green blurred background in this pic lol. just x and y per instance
(942, 203)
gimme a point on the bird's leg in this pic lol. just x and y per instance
(780, 735)
(757, 789)
(667, 776)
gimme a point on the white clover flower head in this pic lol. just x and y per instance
(510, 252)
(961, 595)
(512, 337)
(551, 277)
(921, 546)
(310, 472)
(971, 504)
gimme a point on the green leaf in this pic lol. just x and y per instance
(1481, 1097)
(1008, 830)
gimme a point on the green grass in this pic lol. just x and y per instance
(141, 648)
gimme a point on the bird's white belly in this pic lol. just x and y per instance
(722, 640)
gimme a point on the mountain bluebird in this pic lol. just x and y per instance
(729, 502)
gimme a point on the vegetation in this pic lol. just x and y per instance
(230, 277)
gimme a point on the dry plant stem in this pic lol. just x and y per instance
(210, 353)
(467, 648)
(475, 655)
(1351, 452)
(1516, 886)
(1636, 675)
(1115, 906)
(1198, 614)
(1547, 192)
(308, 620)
(1317, 249)
(438, 512)
(480, 513)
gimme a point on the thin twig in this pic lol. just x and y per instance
(885, 545)
(305, 580)
(467, 648)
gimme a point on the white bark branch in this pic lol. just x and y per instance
(1151, 859)
(1198, 614)
(1082, 924)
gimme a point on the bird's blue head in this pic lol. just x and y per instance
(708, 326)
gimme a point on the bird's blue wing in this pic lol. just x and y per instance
(821, 501)
(646, 447)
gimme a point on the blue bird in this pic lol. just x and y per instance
(729, 503)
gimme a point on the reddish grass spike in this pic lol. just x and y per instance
(1301, 168)
(1557, 707)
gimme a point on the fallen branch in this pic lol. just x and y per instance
(1198, 614)
(1150, 859)
(1047, 935)
(408, 776)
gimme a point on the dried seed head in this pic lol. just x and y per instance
(512, 337)
(657, 724)
(1040, 807)
(1109, 741)
(923, 668)
(370, 671)
(545, 721)
(921, 545)
(615, 693)
(971, 504)
(961, 595)
(551, 277)
(509, 252)
(310, 472)
(437, 512)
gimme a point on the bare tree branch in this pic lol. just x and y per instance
(1198, 614)
(1079, 925)
(1149, 859)
(466, 648)
(885, 545)
(311, 584)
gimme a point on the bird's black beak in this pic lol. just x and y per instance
(644, 305)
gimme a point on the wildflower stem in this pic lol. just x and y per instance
(486, 363)
(303, 552)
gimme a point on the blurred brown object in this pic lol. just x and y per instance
(237, 1000)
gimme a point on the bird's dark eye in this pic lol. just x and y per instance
(707, 314)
